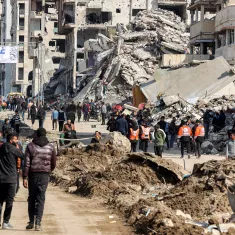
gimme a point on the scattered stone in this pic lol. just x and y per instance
(72, 189)
(168, 222)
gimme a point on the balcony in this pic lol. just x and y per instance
(225, 18)
(202, 31)
(32, 51)
(69, 1)
(35, 15)
(21, 27)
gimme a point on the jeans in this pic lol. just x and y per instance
(172, 140)
(145, 145)
(199, 142)
(40, 122)
(7, 194)
(33, 117)
(17, 128)
(185, 144)
(133, 146)
(18, 183)
(38, 183)
(23, 112)
(158, 150)
(54, 124)
(79, 116)
(61, 125)
(103, 118)
(167, 141)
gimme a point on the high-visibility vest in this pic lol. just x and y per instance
(134, 135)
(200, 131)
(145, 133)
(185, 131)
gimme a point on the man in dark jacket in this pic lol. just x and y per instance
(111, 125)
(122, 126)
(79, 111)
(23, 109)
(9, 155)
(40, 161)
(71, 116)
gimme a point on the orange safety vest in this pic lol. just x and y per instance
(145, 133)
(200, 131)
(185, 131)
(134, 135)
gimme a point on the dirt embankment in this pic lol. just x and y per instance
(146, 190)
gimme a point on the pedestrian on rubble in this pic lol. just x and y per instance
(230, 146)
(199, 137)
(112, 123)
(172, 132)
(122, 126)
(23, 109)
(33, 113)
(134, 136)
(103, 112)
(54, 118)
(9, 166)
(96, 138)
(79, 111)
(192, 124)
(206, 122)
(6, 128)
(71, 116)
(15, 122)
(165, 127)
(72, 107)
(144, 136)
(61, 119)
(185, 135)
(222, 120)
(159, 140)
(40, 161)
(41, 115)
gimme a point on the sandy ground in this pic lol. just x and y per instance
(66, 214)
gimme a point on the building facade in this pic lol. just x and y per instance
(6, 72)
(22, 71)
(47, 47)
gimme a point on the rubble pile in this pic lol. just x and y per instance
(152, 193)
(134, 55)
(174, 106)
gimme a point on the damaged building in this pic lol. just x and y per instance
(83, 22)
(47, 47)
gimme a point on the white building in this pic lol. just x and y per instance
(6, 69)
(22, 71)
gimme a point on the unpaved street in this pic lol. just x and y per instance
(67, 214)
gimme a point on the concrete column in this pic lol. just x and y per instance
(192, 16)
(201, 48)
(217, 8)
(191, 50)
(196, 15)
(227, 37)
(202, 13)
(222, 5)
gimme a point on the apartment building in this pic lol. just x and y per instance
(47, 47)
(81, 20)
(22, 71)
(225, 32)
(6, 69)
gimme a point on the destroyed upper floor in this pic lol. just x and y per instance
(100, 14)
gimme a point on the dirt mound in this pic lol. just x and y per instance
(205, 192)
(127, 182)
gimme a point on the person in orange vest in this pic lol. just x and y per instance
(199, 137)
(144, 136)
(185, 134)
(134, 136)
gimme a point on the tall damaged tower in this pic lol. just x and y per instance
(46, 46)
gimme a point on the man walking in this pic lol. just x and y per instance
(9, 155)
(23, 109)
(15, 122)
(144, 136)
(199, 137)
(159, 140)
(122, 126)
(185, 134)
(79, 111)
(61, 118)
(40, 161)
(103, 112)
(54, 118)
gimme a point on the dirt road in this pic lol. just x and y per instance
(67, 214)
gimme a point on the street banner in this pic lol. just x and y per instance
(8, 54)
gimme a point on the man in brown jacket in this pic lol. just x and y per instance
(40, 161)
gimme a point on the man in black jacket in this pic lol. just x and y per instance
(9, 155)
(122, 125)
(40, 161)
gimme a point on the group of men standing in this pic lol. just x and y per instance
(37, 162)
